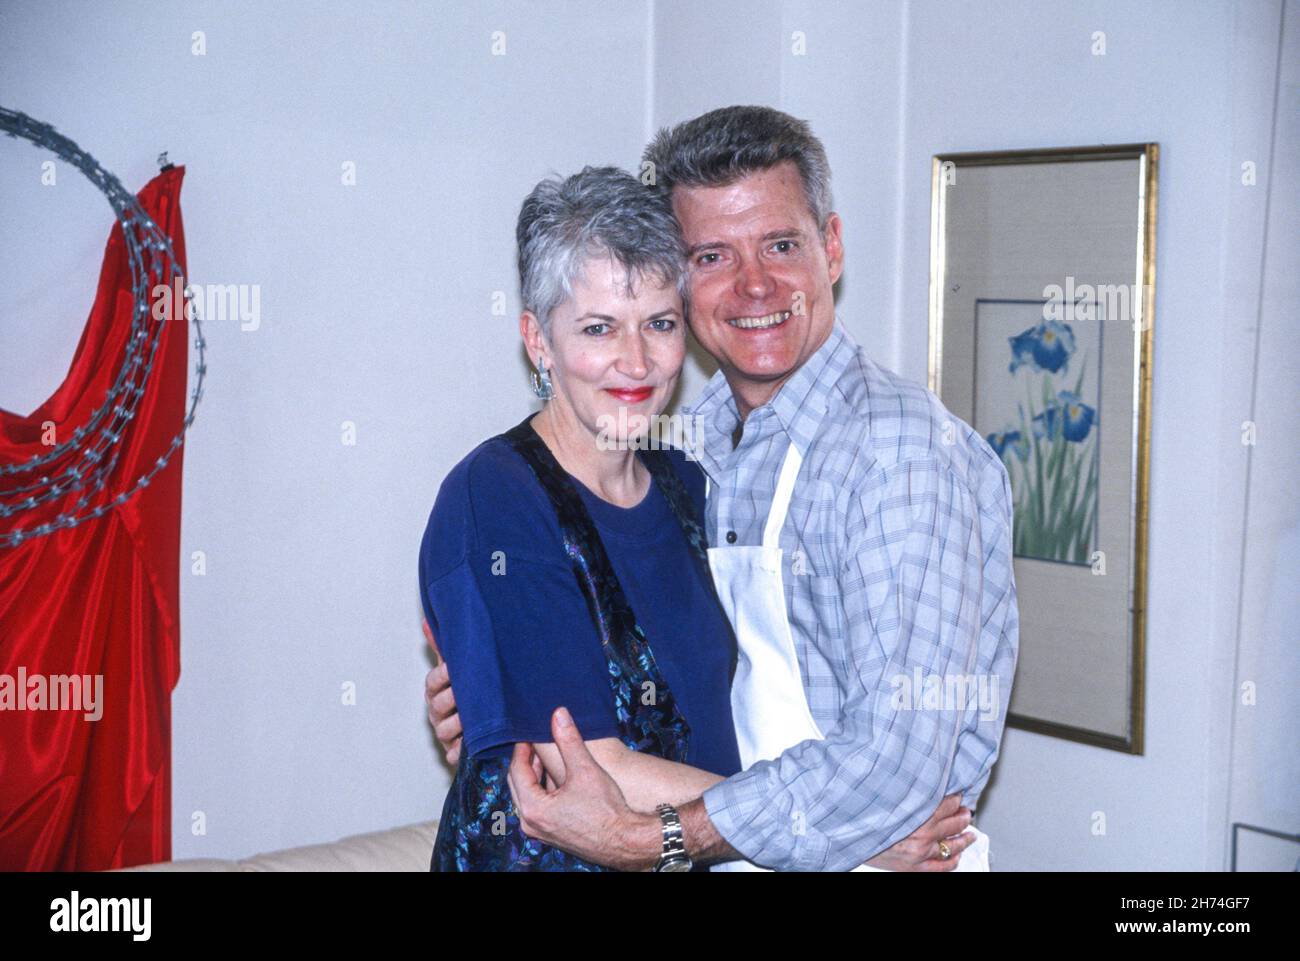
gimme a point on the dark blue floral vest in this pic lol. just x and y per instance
(479, 830)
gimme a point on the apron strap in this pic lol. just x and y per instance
(781, 499)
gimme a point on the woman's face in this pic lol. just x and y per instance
(614, 359)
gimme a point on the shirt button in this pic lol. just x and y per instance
(731, 537)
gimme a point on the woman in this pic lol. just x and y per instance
(562, 564)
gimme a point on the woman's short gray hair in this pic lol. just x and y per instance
(597, 212)
(724, 145)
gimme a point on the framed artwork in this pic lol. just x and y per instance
(1041, 321)
(1263, 849)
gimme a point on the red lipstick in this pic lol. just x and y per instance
(631, 395)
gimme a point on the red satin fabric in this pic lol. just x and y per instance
(100, 598)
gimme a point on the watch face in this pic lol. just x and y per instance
(675, 865)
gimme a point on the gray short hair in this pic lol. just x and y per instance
(722, 146)
(599, 211)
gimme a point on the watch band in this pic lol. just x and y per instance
(674, 856)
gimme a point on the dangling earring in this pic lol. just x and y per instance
(542, 381)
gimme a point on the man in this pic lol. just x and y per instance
(862, 550)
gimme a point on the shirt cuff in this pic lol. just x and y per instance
(733, 805)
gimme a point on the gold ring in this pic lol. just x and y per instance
(945, 852)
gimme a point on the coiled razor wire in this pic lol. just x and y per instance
(96, 445)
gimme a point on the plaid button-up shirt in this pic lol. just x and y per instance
(900, 597)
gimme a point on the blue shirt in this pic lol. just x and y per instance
(500, 596)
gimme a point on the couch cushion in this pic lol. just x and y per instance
(188, 864)
(407, 848)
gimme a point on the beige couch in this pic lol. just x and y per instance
(397, 849)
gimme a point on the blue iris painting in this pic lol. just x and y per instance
(1045, 347)
(1051, 451)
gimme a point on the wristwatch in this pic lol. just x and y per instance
(674, 856)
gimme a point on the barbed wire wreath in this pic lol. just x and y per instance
(95, 445)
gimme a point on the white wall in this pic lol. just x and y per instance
(1265, 765)
(376, 309)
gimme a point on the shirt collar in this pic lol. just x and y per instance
(716, 418)
(799, 405)
(803, 399)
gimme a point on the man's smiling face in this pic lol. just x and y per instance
(761, 277)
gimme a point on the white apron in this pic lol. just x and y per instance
(768, 704)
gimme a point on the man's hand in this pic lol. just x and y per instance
(587, 815)
(919, 851)
(442, 704)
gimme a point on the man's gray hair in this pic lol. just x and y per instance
(597, 212)
(722, 146)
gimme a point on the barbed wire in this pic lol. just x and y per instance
(95, 458)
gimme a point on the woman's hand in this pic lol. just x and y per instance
(919, 851)
(441, 701)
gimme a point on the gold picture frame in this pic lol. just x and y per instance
(1027, 215)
